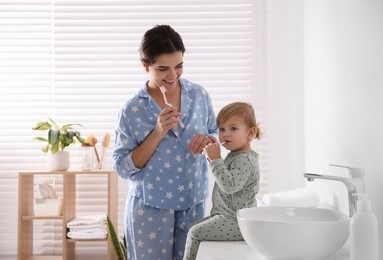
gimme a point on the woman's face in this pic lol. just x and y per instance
(166, 71)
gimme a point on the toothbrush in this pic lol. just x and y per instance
(204, 152)
(163, 91)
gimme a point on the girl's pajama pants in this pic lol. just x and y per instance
(212, 228)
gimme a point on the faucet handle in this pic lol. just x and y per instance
(354, 172)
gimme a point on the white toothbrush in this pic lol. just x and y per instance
(204, 152)
(163, 91)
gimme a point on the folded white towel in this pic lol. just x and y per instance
(94, 226)
(87, 235)
(302, 197)
(87, 230)
(87, 221)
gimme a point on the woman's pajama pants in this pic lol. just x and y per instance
(157, 234)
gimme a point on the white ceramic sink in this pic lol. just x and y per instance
(286, 233)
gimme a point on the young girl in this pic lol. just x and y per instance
(236, 177)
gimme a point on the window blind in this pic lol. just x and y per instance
(78, 62)
(26, 76)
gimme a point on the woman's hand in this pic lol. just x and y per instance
(167, 119)
(199, 142)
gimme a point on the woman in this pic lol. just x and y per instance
(159, 140)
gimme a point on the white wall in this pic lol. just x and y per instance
(344, 94)
(284, 79)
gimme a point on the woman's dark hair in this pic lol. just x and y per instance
(159, 40)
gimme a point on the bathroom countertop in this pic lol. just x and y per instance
(239, 250)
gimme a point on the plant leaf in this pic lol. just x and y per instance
(123, 246)
(114, 239)
(53, 136)
(54, 123)
(45, 149)
(42, 126)
(79, 138)
(55, 148)
(68, 140)
(71, 134)
(40, 139)
(69, 126)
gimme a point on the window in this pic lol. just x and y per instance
(77, 62)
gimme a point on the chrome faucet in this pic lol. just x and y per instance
(349, 182)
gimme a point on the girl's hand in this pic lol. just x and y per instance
(167, 119)
(213, 151)
(198, 142)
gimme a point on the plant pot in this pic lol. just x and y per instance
(58, 161)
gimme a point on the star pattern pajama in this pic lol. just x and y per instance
(236, 185)
(173, 184)
(153, 230)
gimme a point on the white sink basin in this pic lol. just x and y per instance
(286, 233)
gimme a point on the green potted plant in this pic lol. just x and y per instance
(58, 138)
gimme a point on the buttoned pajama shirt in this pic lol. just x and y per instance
(166, 196)
(236, 185)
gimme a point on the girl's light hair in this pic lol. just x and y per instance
(242, 109)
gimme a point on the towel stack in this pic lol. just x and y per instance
(88, 227)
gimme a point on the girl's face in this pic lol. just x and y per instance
(236, 134)
(166, 71)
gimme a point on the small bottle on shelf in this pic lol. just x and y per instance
(87, 157)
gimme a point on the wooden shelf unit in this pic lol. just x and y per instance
(26, 215)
